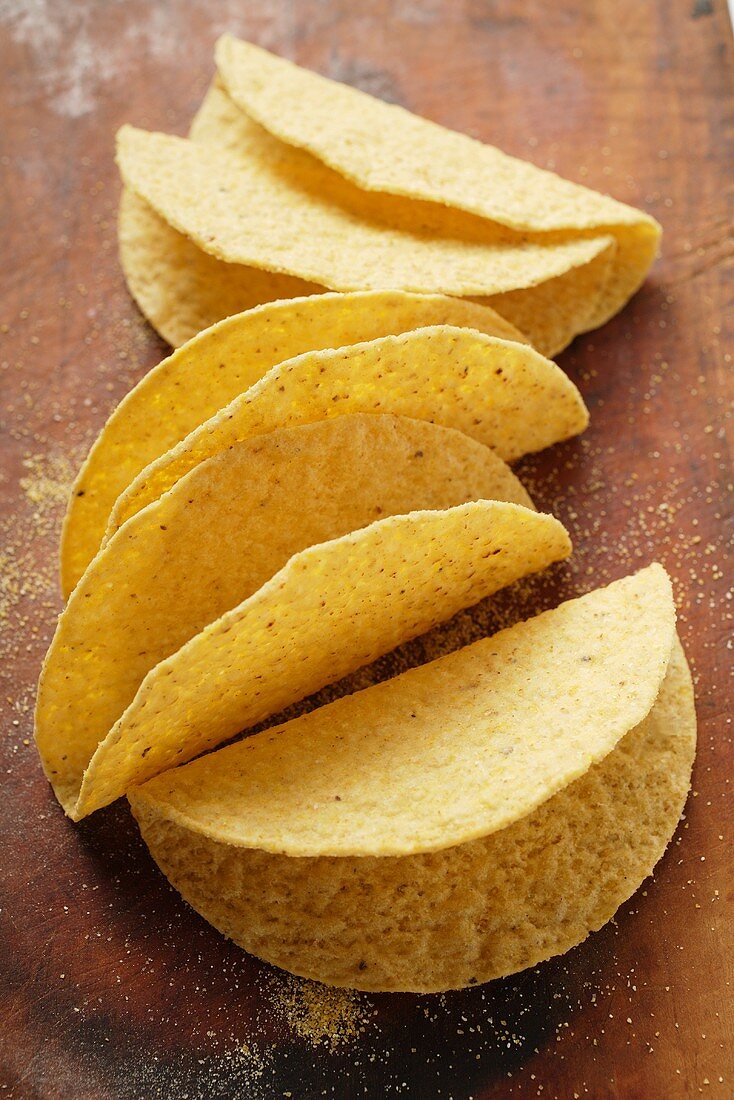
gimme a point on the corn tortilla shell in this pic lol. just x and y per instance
(503, 394)
(194, 383)
(382, 147)
(252, 209)
(192, 610)
(482, 909)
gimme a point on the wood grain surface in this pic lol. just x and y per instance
(110, 987)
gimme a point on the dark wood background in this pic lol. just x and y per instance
(109, 986)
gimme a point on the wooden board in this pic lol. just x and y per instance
(110, 987)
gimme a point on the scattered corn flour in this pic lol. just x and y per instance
(28, 573)
(317, 1013)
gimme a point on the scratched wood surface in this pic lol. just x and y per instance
(109, 986)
